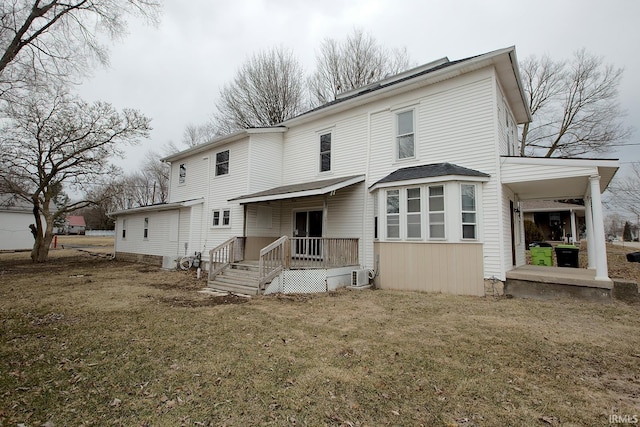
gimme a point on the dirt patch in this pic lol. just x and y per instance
(212, 301)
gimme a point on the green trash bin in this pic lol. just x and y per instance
(541, 255)
(567, 256)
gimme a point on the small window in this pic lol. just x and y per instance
(325, 152)
(393, 214)
(222, 163)
(183, 174)
(414, 215)
(436, 212)
(469, 217)
(221, 218)
(124, 228)
(405, 135)
(146, 228)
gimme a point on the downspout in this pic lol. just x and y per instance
(365, 190)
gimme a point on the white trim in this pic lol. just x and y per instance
(158, 208)
(555, 161)
(429, 180)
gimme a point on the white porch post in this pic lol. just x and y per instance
(591, 246)
(573, 226)
(602, 272)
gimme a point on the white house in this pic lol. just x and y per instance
(416, 178)
(15, 217)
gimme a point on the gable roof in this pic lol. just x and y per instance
(434, 170)
(305, 189)
(76, 221)
(504, 61)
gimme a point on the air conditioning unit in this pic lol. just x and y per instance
(359, 277)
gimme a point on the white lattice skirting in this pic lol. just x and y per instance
(299, 282)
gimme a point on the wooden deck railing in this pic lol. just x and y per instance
(273, 259)
(323, 252)
(224, 254)
(306, 252)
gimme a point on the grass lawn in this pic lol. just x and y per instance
(89, 341)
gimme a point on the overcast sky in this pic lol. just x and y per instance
(173, 72)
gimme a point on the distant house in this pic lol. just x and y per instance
(15, 217)
(74, 224)
(558, 221)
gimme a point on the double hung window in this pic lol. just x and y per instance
(325, 152)
(221, 218)
(436, 212)
(405, 135)
(393, 214)
(469, 214)
(222, 163)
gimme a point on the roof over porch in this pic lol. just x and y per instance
(305, 189)
(554, 178)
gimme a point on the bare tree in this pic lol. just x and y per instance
(357, 61)
(54, 139)
(625, 191)
(575, 106)
(267, 90)
(197, 134)
(42, 40)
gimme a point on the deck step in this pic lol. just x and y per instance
(233, 288)
(244, 266)
(237, 280)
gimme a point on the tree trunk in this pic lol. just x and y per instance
(43, 236)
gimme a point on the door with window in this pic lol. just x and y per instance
(308, 229)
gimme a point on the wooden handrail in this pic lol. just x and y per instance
(273, 259)
(221, 256)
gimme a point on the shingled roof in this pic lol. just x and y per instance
(430, 171)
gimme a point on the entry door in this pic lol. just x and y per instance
(308, 224)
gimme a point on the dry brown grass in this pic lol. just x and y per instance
(87, 341)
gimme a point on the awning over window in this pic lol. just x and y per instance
(306, 189)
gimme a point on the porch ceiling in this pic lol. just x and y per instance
(553, 179)
(305, 189)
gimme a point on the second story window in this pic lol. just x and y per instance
(145, 233)
(183, 174)
(325, 152)
(124, 228)
(222, 163)
(405, 141)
